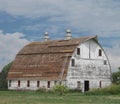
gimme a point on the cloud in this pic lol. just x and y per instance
(29, 8)
(96, 16)
(10, 44)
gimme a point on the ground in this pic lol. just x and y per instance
(31, 97)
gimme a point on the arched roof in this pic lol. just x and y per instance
(45, 60)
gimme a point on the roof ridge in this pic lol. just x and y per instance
(60, 40)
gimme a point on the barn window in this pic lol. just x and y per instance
(9, 83)
(48, 85)
(105, 62)
(100, 84)
(55, 82)
(78, 84)
(38, 83)
(73, 62)
(100, 52)
(60, 83)
(19, 83)
(28, 83)
(78, 51)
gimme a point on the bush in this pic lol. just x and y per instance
(62, 89)
(113, 89)
(116, 77)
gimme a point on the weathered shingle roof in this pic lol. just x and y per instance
(44, 60)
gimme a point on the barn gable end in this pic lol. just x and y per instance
(90, 67)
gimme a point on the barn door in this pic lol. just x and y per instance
(86, 85)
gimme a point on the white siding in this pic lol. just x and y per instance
(89, 66)
(33, 84)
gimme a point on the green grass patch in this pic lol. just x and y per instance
(113, 90)
(33, 97)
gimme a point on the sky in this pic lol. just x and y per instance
(25, 21)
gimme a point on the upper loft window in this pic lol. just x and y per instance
(100, 52)
(73, 62)
(105, 62)
(78, 51)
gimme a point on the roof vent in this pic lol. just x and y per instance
(68, 34)
(46, 36)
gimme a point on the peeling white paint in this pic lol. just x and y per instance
(89, 66)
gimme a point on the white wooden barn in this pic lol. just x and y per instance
(79, 63)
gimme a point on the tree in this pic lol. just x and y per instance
(119, 68)
(3, 76)
(116, 77)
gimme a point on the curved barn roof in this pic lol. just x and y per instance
(45, 60)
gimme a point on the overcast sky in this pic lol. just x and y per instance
(24, 21)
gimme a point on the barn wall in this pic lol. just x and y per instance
(89, 66)
(33, 84)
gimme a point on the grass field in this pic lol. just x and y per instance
(30, 97)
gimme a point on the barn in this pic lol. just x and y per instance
(78, 63)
